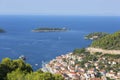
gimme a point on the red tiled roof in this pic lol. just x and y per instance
(96, 79)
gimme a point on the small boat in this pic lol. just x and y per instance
(22, 57)
(36, 64)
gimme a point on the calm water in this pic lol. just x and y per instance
(37, 47)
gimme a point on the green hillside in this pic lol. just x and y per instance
(110, 42)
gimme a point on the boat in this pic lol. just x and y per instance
(22, 57)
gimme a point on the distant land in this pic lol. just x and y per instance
(1, 31)
(95, 35)
(46, 29)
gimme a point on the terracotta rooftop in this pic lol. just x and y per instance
(96, 79)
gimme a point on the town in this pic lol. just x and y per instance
(82, 65)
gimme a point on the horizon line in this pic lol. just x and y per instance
(55, 15)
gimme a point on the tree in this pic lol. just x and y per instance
(58, 77)
(16, 75)
(4, 69)
(7, 66)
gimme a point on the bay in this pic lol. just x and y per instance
(37, 47)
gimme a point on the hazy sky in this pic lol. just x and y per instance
(61, 7)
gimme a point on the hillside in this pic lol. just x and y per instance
(110, 42)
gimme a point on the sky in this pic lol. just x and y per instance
(60, 7)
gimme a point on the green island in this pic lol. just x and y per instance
(45, 29)
(100, 61)
(95, 35)
(1, 31)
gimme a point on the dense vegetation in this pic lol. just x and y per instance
(110, 42)
(79, 51)
(95, 35)
(19, 70)
(48, 29)
(1, 30)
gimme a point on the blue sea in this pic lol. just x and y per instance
(45, 46)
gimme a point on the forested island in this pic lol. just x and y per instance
(1, 31)
(45, 29)
(95, 35)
